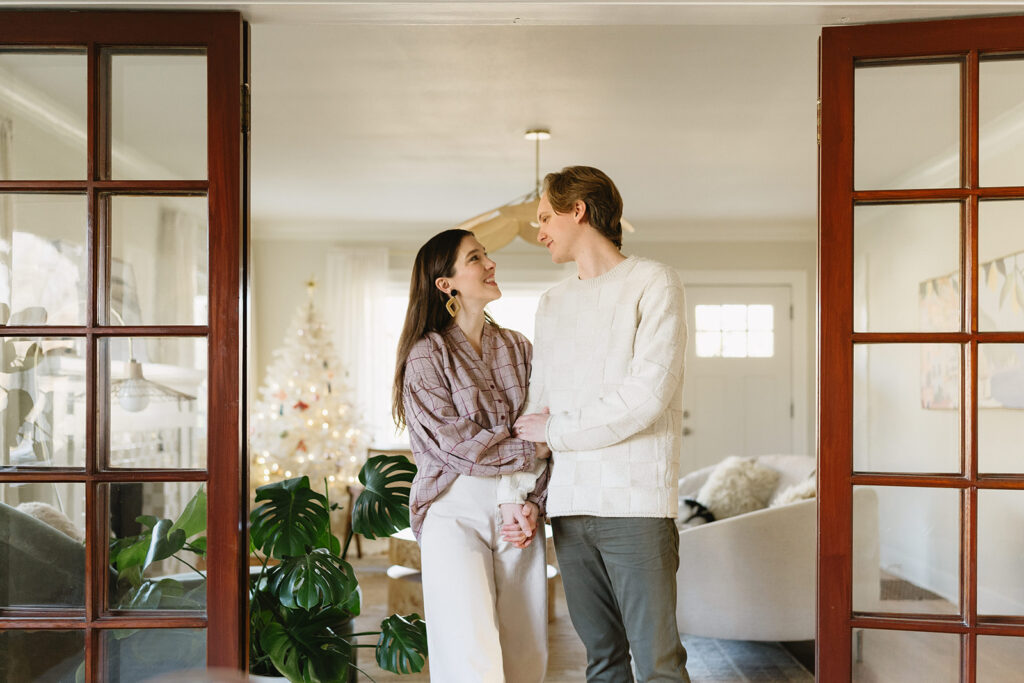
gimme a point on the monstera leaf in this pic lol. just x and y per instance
(306, 647)
(383, 508)
(312, 580)
(292, 519)
(402, 644)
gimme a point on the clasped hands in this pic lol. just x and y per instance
(519, 522)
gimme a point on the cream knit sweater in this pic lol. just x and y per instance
(608, 363)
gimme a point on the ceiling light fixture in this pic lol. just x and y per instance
(497, 227)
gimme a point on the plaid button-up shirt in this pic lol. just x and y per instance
(460, 407)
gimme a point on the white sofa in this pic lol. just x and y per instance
(752, 577)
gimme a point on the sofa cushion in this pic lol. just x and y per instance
(39, 566)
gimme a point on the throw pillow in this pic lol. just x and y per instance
(737, 485)
(48, 514)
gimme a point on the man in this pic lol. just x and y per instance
(608, 364)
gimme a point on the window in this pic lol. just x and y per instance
(735, 331)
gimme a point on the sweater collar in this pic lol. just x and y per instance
(618, 272)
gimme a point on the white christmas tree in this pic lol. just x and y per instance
(305, 422)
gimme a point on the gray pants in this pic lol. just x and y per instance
(619, 575)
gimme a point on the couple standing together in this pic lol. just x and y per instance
(583, 427)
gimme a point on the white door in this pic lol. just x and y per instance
(738, 387)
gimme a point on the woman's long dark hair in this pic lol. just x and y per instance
(426, 311)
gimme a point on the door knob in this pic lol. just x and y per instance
(686, 413)
(687, 431)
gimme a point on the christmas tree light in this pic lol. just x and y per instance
(303, 422)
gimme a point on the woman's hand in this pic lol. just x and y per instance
(532, 427)
(519, 522)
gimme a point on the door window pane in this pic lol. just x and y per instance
(907, 126)
(1000, 552)
(158, 115)
(133, 655)
(904, 656)
(158, 390)
(906, 261)
(43, 259)
(1000, 102)
(158, 545)
(20, 658)
(1001, 266)
(734, 330)
(158, 260)
(906, 550)
(906, 400)
(42, 421)
(1000, 658)
(42, 532)
(1000, 408)
(43, 114)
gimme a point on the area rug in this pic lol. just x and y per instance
(736, 661)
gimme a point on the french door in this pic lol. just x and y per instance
(921, 379)
(122, 232)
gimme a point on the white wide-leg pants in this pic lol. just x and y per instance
(485, 600)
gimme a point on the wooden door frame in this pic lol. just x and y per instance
(221, 34)
(841, 47)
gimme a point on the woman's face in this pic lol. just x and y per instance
(474, 274)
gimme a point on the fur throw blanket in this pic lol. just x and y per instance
(736, 486)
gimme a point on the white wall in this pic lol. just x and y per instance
(281, 268)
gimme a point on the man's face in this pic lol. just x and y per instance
(558, 232)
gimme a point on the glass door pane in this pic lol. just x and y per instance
(1001, 102)
(907, 126)
(43, 114)
(158, 115)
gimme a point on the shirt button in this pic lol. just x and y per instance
(492, 386)
(500, 401)
(501, 419)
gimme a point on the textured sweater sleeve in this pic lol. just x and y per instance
(462, 444)
(536, 398)
(655, 372)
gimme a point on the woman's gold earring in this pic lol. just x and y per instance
(452, 305)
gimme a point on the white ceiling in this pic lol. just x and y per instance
(377, 120)
(399, 124)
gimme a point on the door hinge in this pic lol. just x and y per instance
(791, 311)
(792, 410)
(246, 108)
(819, 122)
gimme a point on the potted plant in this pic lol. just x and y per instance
(305, 597)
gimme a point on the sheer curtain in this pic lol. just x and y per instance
(6, 209)
(354, 302)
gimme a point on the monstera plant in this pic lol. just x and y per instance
(304, 600)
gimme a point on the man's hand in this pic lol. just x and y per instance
(532, 427)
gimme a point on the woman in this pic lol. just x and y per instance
(460, 384)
